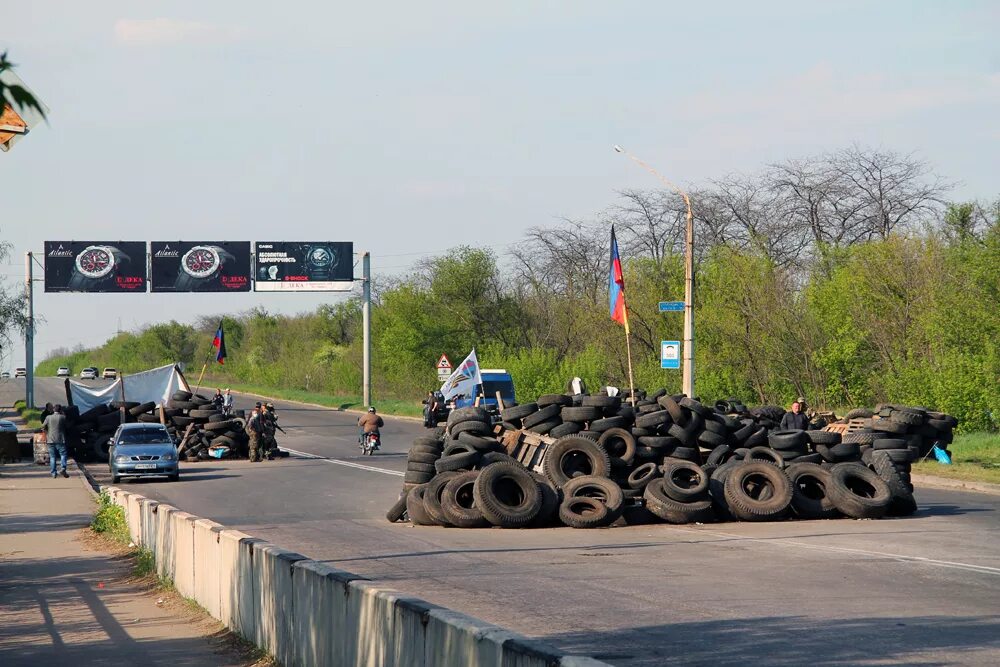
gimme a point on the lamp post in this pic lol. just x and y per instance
(687, 372)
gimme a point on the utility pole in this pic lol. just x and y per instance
(366, 326)
(687, 372)
(29, 333)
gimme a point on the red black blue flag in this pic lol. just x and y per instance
(220, 344)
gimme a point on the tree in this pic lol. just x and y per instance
(13, 320)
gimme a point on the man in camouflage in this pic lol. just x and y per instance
(270, 421)
(255, 430)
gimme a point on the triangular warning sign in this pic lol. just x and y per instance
(443, 362)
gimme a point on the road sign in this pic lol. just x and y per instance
(443, 368)
(671, 306)
(670, 354)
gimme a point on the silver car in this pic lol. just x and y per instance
(143, 450)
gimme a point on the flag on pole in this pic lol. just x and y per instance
(616, 286)
(464, 380)
(220, 344)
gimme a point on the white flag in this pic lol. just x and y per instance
(464, 380)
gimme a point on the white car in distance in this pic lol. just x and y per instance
(88, 373)
(62, 372)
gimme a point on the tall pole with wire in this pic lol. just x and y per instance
(687, 372)
(29, 332)
(366, 327)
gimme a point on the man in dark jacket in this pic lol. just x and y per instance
(55, 431)
(794, 420)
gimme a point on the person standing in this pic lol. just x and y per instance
(227, 402)
(255, 429)
(218, 400)
(794, 420)
(54, 427)
(430, 410)
(270, 421)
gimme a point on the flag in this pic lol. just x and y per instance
(616, 286)
(464, 380)
(220, 344)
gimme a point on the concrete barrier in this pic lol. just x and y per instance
(133, 514)
(183, 552)
(207, 561)
(308, 614)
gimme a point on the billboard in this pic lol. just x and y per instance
(95, 266)
(314, 266)
(199, 266)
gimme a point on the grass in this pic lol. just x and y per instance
(975, 457)
(109, 521)
(31, 416)
(340, 402)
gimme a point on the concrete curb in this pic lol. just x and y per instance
(308, 614)
(949, 483)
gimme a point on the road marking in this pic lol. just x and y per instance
(982, 569)
(349, 464)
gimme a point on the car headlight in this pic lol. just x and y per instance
(121, 459)
(169, 456)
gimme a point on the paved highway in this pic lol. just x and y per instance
(921, 590)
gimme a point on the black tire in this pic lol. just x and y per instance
(860, 437)
(551, 498)
(859, 492)
(601, 402)
(413, 477)
(518, 412)
(564, 429)
(663, 443)
(607, 423)
(575, 456)
(181, 395)
(791, 439)
(142, 408)
(687, 454)
(758, 492)
(719, 455)
(460, 415)
(643, 475)
(620, 446)
(480, 443)
(507, 495)
(583, 512)
(653, 419)
(545, 427)
(681, 433)
(422, 457)
(458, 503)
(110, 420)
(909, 416)
(684, 481)
(860, 413)
(711, 439)
(554, 399)
(474, 427)
(422, 467)
(457, 447)
(455, 462)
(495, 457)
(889, 443)
(220, 426)
(903, 503)
(758, 437)
(601, 488)
(810, 495)
(432, 498)
(823, 437)
(766, 455)
(398, 509)
(545, 414)
(580, 413)
(207, 414)
(716, 488)
(696, 407)
(148, 419)
(426, 449)
(415, 506)
(673, 408)
(889, 426)
(671, 511)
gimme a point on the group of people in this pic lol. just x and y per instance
(796, 418)
(262, 424)
(223, 402)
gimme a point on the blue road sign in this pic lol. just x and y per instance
(670, 354)
(671, 306)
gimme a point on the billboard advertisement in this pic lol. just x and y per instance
(300, 266)
(95, 266)
(200, 266)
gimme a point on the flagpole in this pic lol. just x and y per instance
(628, 352)
(208, 356)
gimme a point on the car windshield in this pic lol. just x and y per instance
(144, 436)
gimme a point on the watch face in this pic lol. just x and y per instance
(321, 257)
(95, 262)
(201, 261)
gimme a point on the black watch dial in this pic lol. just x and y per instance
(95, 262)
(201, 261)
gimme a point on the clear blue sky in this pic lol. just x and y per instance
(413, 127)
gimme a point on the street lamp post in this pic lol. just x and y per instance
(687, 372)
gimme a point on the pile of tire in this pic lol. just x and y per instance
(89, 433)
(667, 458)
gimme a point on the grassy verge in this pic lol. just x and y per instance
(29, 415)
(345, 402)
(975, 457)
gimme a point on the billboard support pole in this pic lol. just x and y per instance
(29, 333)
(366, 326)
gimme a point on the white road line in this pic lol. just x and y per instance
(982, 569)
(349, 464)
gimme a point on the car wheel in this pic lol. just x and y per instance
(115, 479)
(174, 478)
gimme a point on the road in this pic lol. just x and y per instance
(920, 590)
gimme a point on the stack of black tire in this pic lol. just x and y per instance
(210, 428)
(667, 458)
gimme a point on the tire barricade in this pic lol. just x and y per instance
(308, 614)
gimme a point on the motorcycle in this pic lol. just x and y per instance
(370, 442)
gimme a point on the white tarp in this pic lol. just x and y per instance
(157, 385)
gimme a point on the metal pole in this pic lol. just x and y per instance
(366, 326)
(29, 333)
(687, 372)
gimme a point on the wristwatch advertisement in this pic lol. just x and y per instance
(304, 266)
(205, 266)
(95, 266)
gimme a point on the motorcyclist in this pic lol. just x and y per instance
(370, 423)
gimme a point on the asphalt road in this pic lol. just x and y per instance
(921, 590)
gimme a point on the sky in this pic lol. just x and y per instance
(410, 128)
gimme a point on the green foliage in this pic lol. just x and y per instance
(31, 416)
(109, 520)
